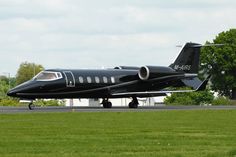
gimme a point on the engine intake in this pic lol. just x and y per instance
(149, 72)
(144, 73)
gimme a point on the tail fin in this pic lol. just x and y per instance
(188, 59)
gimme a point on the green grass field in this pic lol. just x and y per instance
(200, 133)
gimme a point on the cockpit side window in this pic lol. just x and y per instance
(48, 76)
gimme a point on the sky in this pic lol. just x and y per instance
(105, 33)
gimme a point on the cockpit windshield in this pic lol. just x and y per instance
(48, 76)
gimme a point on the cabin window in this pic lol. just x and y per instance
(81, 79)
(48, 76)
(89, 80)
(105, 80)
(113, 80)
(97, 80)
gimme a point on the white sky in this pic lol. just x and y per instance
(105, 33)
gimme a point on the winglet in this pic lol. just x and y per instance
(203, 84)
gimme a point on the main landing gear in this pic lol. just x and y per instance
(133, 103)
(106, 103)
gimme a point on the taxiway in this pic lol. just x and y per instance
(25, 109)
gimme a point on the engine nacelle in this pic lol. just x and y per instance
(149, 72)
(127, 67)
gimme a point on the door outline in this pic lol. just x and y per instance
(71, 82)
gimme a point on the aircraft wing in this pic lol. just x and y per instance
(201, 87)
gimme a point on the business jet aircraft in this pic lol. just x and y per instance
(120, 82)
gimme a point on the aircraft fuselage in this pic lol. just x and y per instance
(120, 82)
(90, 84)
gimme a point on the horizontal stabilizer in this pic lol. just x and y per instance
(204, 84)
(192, 82)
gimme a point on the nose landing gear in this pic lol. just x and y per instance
(31, 106)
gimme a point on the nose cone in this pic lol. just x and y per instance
(11, 93)
(23, 89)
(18, 89)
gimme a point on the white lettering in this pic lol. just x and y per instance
(182, 67)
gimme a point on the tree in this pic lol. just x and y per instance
(4, 87)
(4, 79)
(11, 82)
(4, 99)
(220, 62)
(190, 98)
(27, 71)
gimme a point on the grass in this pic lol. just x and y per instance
(209, 133)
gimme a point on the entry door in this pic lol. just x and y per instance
(70, 79)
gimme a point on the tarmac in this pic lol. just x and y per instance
(38, 109)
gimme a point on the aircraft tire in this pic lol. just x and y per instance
(107, 104)
(133, 105)
(31, 106)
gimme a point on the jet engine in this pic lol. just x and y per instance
(149, 72)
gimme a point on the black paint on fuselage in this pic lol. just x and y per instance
(123, 81)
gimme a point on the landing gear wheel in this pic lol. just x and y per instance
(106, 104)
(31, 106)
(133, 103)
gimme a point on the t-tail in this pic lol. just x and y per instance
(188, 59)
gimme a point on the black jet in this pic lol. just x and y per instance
(119, 82)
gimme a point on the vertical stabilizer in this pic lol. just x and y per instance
(188, 59)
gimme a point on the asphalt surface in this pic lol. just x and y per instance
(113, 109)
